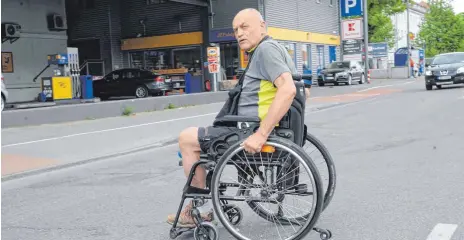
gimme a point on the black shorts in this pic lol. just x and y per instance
(206, 135)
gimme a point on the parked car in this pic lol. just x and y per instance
(342, 72)
(445, 69)
(131, 82)
(4, 94)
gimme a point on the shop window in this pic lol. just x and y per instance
(136, 59)
(157, 59)
(230, 59)
(306, 55)
(189, 58)
(291, 50)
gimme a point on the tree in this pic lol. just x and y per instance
(380, 27)
(443, 30)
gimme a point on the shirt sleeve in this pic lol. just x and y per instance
(271, 62)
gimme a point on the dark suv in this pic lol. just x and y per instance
(342, 72)
(445, 69)
(131, 82)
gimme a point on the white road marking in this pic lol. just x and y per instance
(390, 85)
(176, 119)
(106, 130)
(442, 231)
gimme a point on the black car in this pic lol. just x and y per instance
(445, 69)
(131, 82)
(342, 72)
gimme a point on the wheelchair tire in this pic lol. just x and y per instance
(329, 191)
(303, 158)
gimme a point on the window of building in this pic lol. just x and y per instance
(306, 56)
(230, 59)
(157, 59)
(331, 3)
(189, 58)
(136, 59)
(291, 50)
(155, 1)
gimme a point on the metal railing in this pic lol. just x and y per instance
(94, 67)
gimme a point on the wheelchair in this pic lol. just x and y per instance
(279, 173)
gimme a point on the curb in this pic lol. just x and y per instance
(90, 160)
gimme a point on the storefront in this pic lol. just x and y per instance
(174, 55)
(230, 58)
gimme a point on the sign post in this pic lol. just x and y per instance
(214, 65)
(352, 29)
(366, 39)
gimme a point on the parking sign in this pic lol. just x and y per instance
(351, 8)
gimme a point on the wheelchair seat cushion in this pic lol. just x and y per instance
(207, 135)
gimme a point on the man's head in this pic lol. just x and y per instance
(249, 28)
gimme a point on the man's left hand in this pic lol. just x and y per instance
(254, 143)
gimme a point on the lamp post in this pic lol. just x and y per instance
(366, 39)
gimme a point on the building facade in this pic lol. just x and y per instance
(417, 13)
(309, 29)
(25, 57)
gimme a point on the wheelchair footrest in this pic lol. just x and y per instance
(195, 190)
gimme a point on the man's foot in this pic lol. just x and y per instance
(186, 219)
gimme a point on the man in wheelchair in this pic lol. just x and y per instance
(267, 92)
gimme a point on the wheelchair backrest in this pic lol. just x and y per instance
(293, 122)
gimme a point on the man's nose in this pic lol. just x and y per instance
(239, 33)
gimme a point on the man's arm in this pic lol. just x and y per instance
(274, 68)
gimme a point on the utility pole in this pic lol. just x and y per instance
(408, 40)
(366, 39)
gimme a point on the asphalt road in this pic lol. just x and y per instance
(398, 155)
(70, 143)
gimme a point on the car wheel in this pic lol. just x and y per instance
(349, 80)
(428, 87)
(363, 80)
(321, 84)
(141, 92)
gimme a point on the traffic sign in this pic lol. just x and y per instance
(350, 8)
(352, 29)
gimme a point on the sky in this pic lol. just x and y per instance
(458, 6)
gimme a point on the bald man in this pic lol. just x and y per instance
(268, 91)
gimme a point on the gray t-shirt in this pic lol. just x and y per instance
(269, 61)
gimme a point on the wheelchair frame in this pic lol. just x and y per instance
(286, 131)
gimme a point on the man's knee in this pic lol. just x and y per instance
(189, 137)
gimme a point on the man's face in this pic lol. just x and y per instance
(248, 31)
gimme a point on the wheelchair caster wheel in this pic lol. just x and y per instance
(234, 214)
(173, 233)
(326, 235)
(206, 231)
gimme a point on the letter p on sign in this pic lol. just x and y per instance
(349, 4)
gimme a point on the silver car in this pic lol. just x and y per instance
(4, 94)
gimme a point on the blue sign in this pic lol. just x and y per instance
(349, 8)
(58, 59)
(222, 35)
(378, 49)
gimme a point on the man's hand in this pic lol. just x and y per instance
(255, 142)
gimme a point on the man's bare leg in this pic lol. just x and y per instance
(190, 150)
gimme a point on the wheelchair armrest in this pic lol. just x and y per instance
(235, 118)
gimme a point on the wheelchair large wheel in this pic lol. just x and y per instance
(325, 166)
(281, 183)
